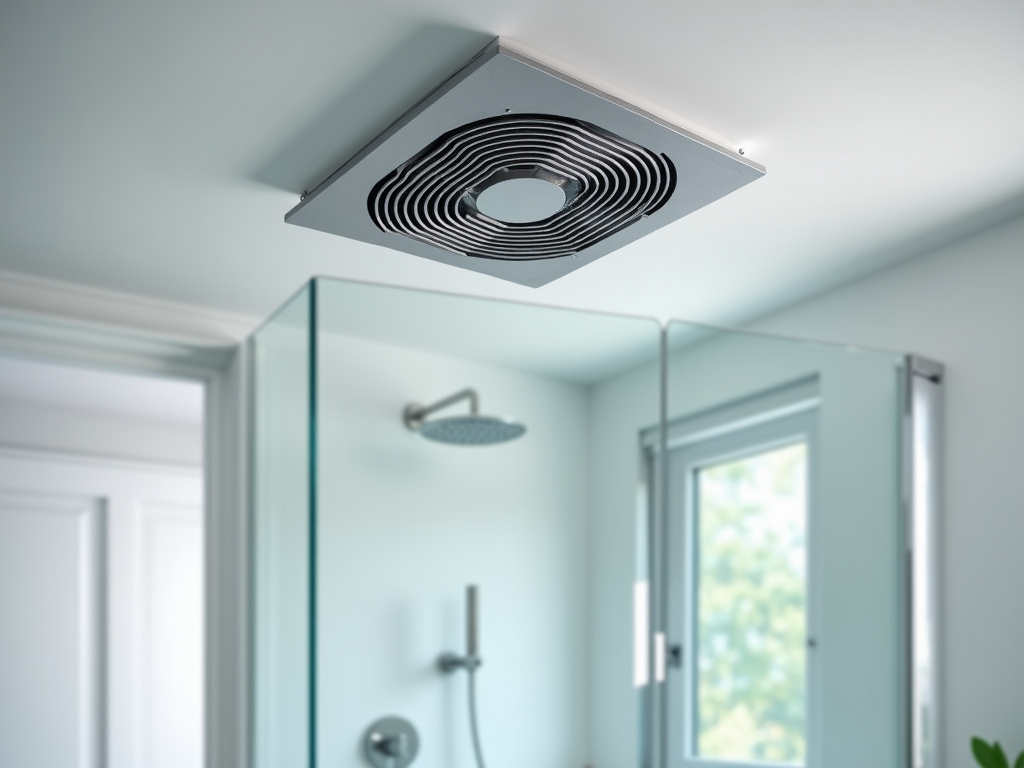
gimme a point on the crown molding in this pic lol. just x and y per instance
(29, 297)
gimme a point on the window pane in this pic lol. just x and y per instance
(751, 608)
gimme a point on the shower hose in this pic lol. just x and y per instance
(473, 727)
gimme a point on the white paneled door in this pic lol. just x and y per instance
(101, 613)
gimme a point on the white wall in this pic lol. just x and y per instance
(961, 305)
(404, 524)
(94, 433)
(56, 406)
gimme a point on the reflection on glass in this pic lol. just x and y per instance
(281, 538)
(750, 619)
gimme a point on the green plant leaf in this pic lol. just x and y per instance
(1020, 761)
(1001, 761)
(983, 753)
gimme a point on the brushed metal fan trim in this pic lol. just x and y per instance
(504, 79)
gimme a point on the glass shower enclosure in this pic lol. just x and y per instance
(701, 551)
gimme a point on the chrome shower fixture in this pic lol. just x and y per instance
(513, 168)
(391, 742)
(452, 662)
(470, 429)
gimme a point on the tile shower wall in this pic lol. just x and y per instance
(405, 524)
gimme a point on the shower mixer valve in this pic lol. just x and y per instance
(391, 742)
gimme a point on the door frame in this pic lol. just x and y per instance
(223, 370)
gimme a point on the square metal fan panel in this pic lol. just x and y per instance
(610, 173)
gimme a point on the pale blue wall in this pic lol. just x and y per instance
(405, 524)
(962, 304)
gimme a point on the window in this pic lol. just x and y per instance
(739, 583)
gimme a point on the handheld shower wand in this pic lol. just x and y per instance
(451, 662)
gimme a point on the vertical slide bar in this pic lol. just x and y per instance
(472, 621)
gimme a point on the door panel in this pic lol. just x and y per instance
(51, 609)
(101, 574)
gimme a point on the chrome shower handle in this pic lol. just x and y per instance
(393, 745)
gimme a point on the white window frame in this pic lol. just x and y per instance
(775, 419)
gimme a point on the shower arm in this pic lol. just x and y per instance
(415, 413)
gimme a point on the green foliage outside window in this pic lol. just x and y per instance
(751, 608)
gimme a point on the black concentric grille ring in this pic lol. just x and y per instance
(430, 197)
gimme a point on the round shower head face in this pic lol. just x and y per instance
(471, 430)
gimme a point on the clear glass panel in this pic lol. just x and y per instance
(281, 547)
(545, 525)
(721, 383)
(563, 533)
(750, 606)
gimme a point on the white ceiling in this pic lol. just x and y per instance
(579, 347)
(155, 147)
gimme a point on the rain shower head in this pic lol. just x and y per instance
(517, 170)
(470, 429)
